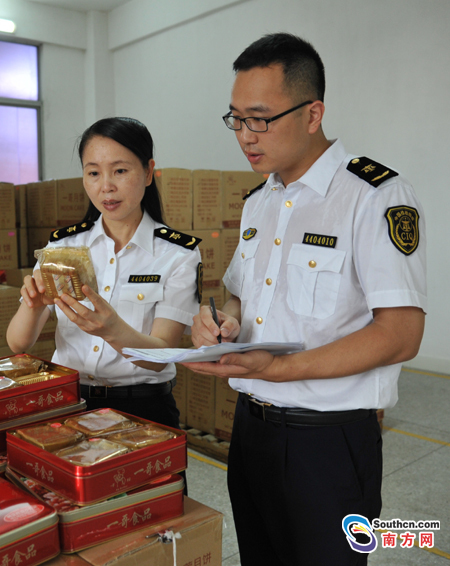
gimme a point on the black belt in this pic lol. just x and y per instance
(302, 417)
(127, 391)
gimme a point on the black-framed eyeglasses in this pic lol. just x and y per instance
(256, 124)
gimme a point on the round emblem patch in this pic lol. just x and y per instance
(403, 224)
(249, 233)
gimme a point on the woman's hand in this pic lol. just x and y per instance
(33, 291)
(102, 321)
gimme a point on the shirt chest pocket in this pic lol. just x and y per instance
(248, 253)
(137, 302)
(314, 276)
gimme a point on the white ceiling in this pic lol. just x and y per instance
(84, 5)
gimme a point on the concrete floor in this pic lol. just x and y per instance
(416, 484)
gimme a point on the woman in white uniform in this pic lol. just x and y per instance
(147, 274)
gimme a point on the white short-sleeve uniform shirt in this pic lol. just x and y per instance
(124, 282)
(321, 259)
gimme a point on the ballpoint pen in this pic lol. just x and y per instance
(214, 315)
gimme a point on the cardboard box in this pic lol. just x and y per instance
(9, 303)
(225, 406)
(201, 392)
(7, 206)
(8, 249)
(235, 185)
(14, 277)
(180, 391)
(207, 205)
(23, 259)
(56, 203)
(200, 543)
(230, 241)
(175, 188)
(20, 192)
(211, 250)
(38, 238)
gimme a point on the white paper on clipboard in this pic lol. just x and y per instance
(208, 353)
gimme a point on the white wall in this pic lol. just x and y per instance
(387, 95)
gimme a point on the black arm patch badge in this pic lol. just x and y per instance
(372, 172)
(403, 222)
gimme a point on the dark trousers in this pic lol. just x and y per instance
(290, 488)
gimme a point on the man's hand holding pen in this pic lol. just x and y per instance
(205, 331)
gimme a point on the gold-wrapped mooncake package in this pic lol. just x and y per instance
(100, 422)
(36, 378)
(91, 451)
(19, 366)
(6, 383)
(142, 436)
(51, 436)
(66, 270)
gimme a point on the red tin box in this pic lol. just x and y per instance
(85, 485)
(82, 527)
(2, 465)
(28, 528)
(39, 397)
(37, 418)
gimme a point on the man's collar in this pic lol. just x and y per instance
(321, 173)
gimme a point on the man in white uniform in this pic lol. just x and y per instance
(331, 255)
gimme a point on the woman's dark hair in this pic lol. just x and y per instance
(133, 135)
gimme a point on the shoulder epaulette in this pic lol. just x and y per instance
(249, 194)
(183, 240)
(372, 172)
(61, 233)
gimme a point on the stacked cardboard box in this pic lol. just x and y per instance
(51, 204)
(8, 232)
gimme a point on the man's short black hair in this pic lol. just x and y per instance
(304, 73)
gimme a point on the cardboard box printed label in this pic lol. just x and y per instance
(211, 251)
(207, 205)
(230, 241)
(7, 206)
(8, 249)
(175, 188)
(235, 185)
(56, 203)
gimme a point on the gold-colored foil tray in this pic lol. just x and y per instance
(51, 436)
(36, 378)
(142, 436)
(91, 451)
(100, 422)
